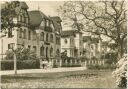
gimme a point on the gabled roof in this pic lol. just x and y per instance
(36, 17)
(56, 24)
(23, 5)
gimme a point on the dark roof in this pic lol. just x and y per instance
(67, 33)
(36, 17)
(23, 5)
(86, 38)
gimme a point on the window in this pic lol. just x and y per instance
(27, 20)
(42, 36)
(24, 34)
(29, 47)
(43, 23)
(21, 18)
(65, 41)
(34, 35)
(20, 33)
(10, 33)
(57, 40)
(34, 49)
(51, 38)
(41, 51)
(47, 37)
(57, 52)
(51, 52)
(29, 35)
(52, 26)
(47, 22)
(11, 46)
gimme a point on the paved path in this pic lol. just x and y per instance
(50, 70)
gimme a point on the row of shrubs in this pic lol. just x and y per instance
(98, 67)
(24, 64)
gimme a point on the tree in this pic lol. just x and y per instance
(102, 18)
(21, 54)
(7, 14)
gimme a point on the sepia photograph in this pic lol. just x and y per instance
(63, 44)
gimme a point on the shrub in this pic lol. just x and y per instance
(100, 67)
(121, 72)
(25, 64)
(7, 65)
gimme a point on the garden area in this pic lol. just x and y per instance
(72, 79)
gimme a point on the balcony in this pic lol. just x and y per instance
(46, 43)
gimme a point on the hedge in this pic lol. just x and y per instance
(25, 64)
(100, 67)
(71, 65)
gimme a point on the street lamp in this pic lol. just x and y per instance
(38, 32)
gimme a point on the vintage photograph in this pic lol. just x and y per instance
(63, 44)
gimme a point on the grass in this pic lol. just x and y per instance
(74, 79)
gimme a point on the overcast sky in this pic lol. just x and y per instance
(47, 7)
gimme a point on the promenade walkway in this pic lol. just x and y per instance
(48, 70)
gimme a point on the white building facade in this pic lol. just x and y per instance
(72, 43)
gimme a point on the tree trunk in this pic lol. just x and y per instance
(120, 49)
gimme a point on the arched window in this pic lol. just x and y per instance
(51, 52)
(20, 33)
(42, 51)
(42, 36)
(57, 52)
(51, 37)
(24, 34)
(47, 37)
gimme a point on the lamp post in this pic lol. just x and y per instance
(38, 32)
(15, 59)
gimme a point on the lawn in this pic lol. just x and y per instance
(74, 79)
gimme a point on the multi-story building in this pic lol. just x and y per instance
(45, 44)
(72, 43)
(92, 47)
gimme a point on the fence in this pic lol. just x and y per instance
(78, 63)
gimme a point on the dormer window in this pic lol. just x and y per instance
(47, 22)
(43, 23)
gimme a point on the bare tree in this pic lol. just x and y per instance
(106, 18)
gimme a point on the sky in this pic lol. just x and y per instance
(47, 7)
